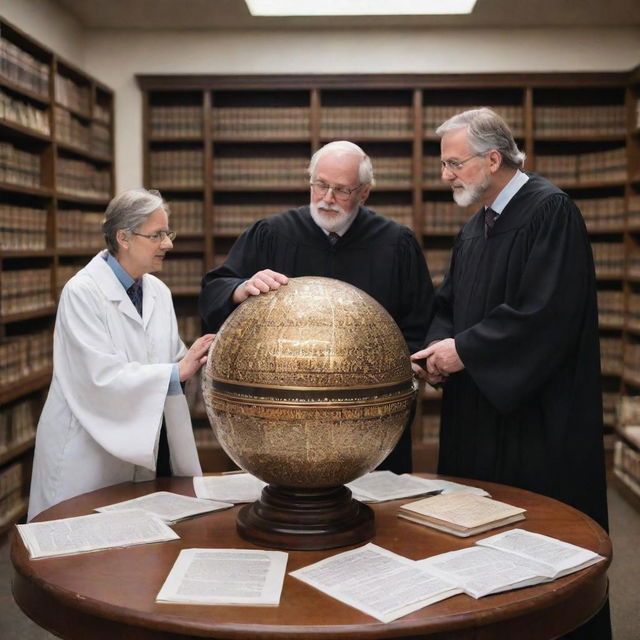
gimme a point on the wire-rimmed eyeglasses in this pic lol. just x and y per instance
(158, 236)
(321, 189)
(456, 165)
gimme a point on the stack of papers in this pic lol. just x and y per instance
(233, 487)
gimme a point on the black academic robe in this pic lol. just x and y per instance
(376, 255)
(521, 304)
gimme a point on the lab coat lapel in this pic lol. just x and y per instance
(102, 273)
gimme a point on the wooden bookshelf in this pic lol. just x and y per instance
(56, 176)
(247, 140)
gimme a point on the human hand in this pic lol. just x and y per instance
(442, 358)
(261, 282)
(195, 357)
(420, 368)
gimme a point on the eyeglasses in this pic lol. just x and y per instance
(339, 193)
(158, 236)
(456, 165)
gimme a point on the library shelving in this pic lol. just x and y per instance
(228, 150)
(56, 176)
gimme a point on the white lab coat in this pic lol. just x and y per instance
(101, 422)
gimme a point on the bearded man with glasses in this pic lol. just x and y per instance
(334, 236)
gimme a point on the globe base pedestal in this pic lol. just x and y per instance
(305, 519)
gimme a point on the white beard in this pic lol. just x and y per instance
(471, 194)
(332, 223)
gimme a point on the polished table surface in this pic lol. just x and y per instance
(111, 594)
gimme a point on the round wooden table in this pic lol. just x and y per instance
(111, 594)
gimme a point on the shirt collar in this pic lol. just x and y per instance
(125, 279)
(510, 189)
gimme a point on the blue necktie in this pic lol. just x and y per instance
(135, 294)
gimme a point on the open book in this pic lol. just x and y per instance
(379, 486)
(170, 507)
(225, 576)
(509, 560)
(376, 581)
(460, 513)
(93, 532)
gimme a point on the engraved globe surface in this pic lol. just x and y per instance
(309, 385)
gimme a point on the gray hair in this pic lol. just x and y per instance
(487, 131)
(365, 170)
(128, 210)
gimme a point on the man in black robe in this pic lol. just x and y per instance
(336, 236)
(515, 337)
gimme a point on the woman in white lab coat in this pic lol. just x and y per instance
(117, 365)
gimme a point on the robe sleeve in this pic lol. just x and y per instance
(416, 296)
(118, 402)
(215, 303)
(514, 350)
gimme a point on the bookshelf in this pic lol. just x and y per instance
(246, 141)
(56, 177)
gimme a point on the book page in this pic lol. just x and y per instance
(93, 532)
(461, 509)
(234, 487)
(379, 486)
(378, 582)
(480, 571)
(561, 557)
(225, 576)
(169, 507)
(448, 486)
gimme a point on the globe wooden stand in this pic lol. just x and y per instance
(305, 519)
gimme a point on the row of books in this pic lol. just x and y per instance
(101, 113)
(25, 355)
(260, 122)
(235, 218)
(632, 360)
(580, 121)
(610, 401)
(260, 172)
(21, 68)
(94, 137)
(611, 355)
(434, 116)
(430, 427)
(73, 95)
(80, 178)
(23, 113)
(609, 259)
(401, 213)
(17, 425)
(633, 269)
(602, 213)
(12, 492)
(25, 290)
(190, 329)
(358, 122)
(64, 273)
(77, 228)
(177, 168)
(22, 228)
(626, 464)
(611, 307)
(633, 211)
(19, 167)
(181, 273)
(598, 166)
(186, 216)
(175, 122)
(443, 217)
(438, 263)
(633, 315)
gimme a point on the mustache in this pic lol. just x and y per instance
(331, 207)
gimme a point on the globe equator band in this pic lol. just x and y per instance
(305, 403)
(312, 393)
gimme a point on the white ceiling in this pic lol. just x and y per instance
(233, 14)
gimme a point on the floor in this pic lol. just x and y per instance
(623, 575)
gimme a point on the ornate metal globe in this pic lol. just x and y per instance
(308, 387)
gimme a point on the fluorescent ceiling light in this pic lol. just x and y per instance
(358, 7)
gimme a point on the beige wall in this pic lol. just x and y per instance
(115, 57)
